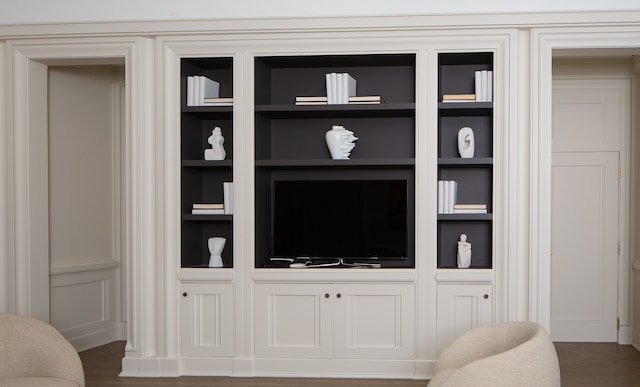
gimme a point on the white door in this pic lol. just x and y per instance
(584, 216)
(590, 117)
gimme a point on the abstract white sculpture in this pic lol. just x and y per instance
(466, 143)
(216, 245)
(340, 142)
(464, 252)
(217, 151)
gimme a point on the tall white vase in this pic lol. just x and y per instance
(216, 245)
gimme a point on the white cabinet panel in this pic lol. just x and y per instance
(207, 320)
(460, 308)
(374, 321)
(335, 321)
(293, 321)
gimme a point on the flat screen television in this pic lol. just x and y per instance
(340, 219)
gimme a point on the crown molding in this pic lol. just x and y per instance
(321, 24)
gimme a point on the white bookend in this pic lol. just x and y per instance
(348, 87)
(440, 197)
(478, 82)
(453, 196)
(208, 89)
(227, 190)
(485, 81)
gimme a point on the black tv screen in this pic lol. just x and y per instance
(360, 219)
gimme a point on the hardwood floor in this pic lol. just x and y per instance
(581, 364)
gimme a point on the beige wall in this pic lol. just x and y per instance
(81, 162)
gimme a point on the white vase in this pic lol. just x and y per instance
(216, 245)
(340, 142)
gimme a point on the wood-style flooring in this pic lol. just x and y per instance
(581, 364)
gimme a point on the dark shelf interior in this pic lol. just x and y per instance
(474, 176)
(202, 180)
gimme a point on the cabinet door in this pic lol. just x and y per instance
(206, 323)
(460, 308)
(294, 321)
(374, 321)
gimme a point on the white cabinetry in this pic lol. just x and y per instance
(346, 321)
(461, 307)
(207, 327)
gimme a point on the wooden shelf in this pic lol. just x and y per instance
(337, 111)
(460, 162)
(350, 163)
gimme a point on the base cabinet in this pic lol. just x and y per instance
(346, 321)
(207, 327)
(461, 307)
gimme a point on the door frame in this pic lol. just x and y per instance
(596, 42)
(27, 260)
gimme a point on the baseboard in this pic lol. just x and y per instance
(150, 367)
(94, 339)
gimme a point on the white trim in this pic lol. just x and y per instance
(545, 41)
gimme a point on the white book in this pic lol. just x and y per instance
(213, 211)
(478, 83)
(348, 87)
(485, 87)
(227, 190)
(340, 88)
(334, 89)
(328, 87)
(447, 196)
(440, 197)
(190, 91)
(465, 211)
(490, 86)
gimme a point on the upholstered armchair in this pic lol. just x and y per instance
(514, 354)
(33, 353)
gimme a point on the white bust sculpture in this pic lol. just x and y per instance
(466, 143)
(217, 151)
(216, 245)
(464, 252)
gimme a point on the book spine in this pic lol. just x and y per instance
(440, 197)
(227, 190)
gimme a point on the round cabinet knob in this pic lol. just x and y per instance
(486, 296)
(326, 295)
(338, 295)
(185, 294)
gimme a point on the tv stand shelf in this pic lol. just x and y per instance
(290, 139)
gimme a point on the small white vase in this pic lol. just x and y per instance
(216, 245)
(466, 143)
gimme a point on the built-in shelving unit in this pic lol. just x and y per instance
(474, 176)
(202, 180)
(290, 139)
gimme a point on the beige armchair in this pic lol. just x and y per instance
(33, 353)
(515, 354)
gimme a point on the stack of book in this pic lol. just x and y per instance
(320, 100)
(225, 208)
(208, 209)
(366, 100)
(470, 209)
(203, 91)
(458, 98)
(447, 196)
(484, 85)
